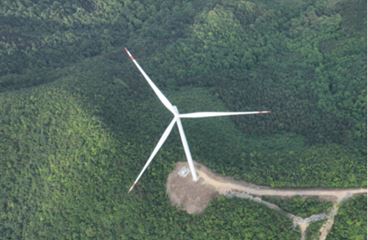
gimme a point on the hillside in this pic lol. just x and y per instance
(77, 121)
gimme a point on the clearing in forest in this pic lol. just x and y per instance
(193, 197)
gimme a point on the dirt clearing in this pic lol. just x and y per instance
(193, 197)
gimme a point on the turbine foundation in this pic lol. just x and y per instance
(186, 194)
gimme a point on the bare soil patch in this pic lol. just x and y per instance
(193, 197)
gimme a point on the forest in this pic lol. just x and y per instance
(77, 121)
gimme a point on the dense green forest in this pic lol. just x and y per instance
(351, 221)
(77, 121)
(303, 207)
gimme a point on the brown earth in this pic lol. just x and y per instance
(193, 197)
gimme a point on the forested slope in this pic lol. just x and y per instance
(77, 122)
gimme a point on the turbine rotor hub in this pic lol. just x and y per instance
(176, 111)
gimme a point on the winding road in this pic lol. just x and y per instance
(231, 188)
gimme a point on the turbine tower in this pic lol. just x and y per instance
(177, 119)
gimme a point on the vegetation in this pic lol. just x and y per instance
(302, 207)
(55, 195)
(351, 220)
(312, 232)
(77, 122)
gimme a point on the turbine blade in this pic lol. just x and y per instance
(218, 114)
(187, 150)
(157, 91)
(155, 150)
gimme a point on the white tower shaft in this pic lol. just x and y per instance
(185, 145)
(186, 150)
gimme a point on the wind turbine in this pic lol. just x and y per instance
(177, 119)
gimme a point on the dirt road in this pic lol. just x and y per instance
(195, 196)
(223, 185)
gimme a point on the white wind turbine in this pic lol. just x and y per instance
(177, 119)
